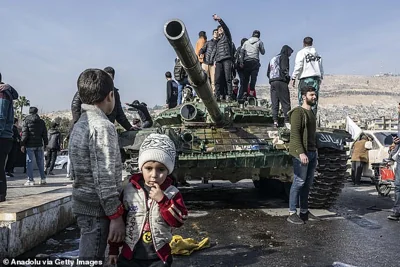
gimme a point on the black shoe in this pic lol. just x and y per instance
(2, 198)
(9, 174)
(309, 216)
(395, 216)
(51, 173)
(295, 219)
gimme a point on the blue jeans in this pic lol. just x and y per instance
(39, 156)
(181, 85)
(302, 181)
(94, 234)
(396, 207)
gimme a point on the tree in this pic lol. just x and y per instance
(21, 102)
(47, 121)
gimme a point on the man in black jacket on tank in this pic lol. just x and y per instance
(223, 60)
(116, 115)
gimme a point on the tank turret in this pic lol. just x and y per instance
(176, 33)
(235, 140)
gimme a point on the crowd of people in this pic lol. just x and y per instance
(223, 62)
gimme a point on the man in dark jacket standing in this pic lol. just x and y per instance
(279, 78)
(7, 95)
(303, 148)
(250, 61)
(34, 138)
(52, 148)
(208, 60)
(14, 150)
(172, 91)
(223, 60)
(116, 115)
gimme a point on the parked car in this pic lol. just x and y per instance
(62, 160)
(381, 140)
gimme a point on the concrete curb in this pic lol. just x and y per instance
(25, 224)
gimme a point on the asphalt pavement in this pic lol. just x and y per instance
(246, 228)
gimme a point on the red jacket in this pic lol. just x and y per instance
(173, 211)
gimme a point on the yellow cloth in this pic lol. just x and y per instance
(180, 246)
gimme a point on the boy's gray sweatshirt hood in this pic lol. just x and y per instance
(252, 49)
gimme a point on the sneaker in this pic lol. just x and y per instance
(295, 219)
(67, 176)
(275, 124)
(395, 216)
(309, 216)
(9, 174)
(29, 183)
(42, 182)
(287, 124)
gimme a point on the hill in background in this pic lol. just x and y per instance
(361, 97)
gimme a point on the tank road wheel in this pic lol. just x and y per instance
(329, 178)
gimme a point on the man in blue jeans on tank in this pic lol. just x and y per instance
(34, 138)
(303, 148)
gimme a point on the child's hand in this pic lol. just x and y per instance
(112, 259)
(156, 193)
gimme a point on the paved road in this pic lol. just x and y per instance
(247, 229)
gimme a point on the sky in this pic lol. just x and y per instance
(46, 44)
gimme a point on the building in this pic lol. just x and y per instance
(383, 123)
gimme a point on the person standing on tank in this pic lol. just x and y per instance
(223, 60)
(250, 61)
(279, 79)
(303, 148)
(208, 61)
(172, 91)
(308, 69)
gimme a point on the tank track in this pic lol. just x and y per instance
(331, 174)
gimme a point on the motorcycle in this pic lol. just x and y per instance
(384, 177)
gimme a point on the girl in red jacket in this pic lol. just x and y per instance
(152, 206)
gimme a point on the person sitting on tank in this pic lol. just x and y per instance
(143, 112)
(116, 115)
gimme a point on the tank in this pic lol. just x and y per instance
(235, 141)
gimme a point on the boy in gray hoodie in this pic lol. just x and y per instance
(250, 61)
(96, 167)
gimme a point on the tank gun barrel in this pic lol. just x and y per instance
(175, 32)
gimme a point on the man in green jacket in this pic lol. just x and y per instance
(303, 148)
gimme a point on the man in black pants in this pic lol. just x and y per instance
(279, 78)
(14, 150)
(52, 148)
(7, 95)
(223, 60)
(250, 61)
